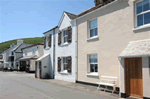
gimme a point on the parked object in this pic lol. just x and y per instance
(107, 81)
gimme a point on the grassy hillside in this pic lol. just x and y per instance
(5, 45)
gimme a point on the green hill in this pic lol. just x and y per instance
(5, 45)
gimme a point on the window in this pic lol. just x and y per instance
(25, 53)
(92, 28)
(12, 53)
(34, 50)
(65, 36)
(142, 13)
(93, 65)
(65, 63)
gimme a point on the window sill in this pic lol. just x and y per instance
(142, 27)
(92, 74)
(47, 48)
(92, 38)
(64, 44)
(64, 72)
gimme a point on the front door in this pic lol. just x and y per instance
(133, 77)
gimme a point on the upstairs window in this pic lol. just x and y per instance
(92, 28)
(65, 36)
(142, 12)
(12, 53)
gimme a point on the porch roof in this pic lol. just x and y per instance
(29, 57)
(136, 49)
(42, 57)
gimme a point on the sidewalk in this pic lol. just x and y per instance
(81, 87)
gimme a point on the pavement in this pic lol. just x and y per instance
(21, 85)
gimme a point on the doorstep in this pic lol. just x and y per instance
(81, 87)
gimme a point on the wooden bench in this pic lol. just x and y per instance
(107, 81)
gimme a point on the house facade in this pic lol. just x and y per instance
(104, 31)
(65, 49)
(15, 53)
(45, 64)
(1, 60)
(30, 55)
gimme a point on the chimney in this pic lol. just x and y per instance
(97, 2)
(19, 42)
(12, 45)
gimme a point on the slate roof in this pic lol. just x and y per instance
(70, 15)
(21, 46)
(137, 48)
(33, 45)
(73, 16)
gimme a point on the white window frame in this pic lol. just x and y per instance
(142, 13)
(62, 36)
(62, 64)
(92, 28)
(92, 63)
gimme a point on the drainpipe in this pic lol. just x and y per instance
(54, 52)
(76, 48)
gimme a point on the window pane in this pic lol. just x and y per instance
(91, 32)
(96, 68)
(147, 18)
(95, 31)
(91, 67)
(64, 33)
(139, 7)
(65, 39)
(146, 5)
(95, 58)
(140, 20)
(93, 23)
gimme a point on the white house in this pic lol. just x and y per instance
(45, 64)
(30, 54)
(15, 53)
(65, 49)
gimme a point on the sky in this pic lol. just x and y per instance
(31, 18)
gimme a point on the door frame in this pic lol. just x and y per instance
(127, 85)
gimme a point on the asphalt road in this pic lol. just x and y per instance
(21, 86)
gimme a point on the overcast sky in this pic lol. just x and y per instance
(30, 18)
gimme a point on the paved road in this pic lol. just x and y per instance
(23, 86)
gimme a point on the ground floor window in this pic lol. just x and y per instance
(93, 63)
(65, 63)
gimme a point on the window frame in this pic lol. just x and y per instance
(62, 36)
(62, 64)
(92, 28)
(142, 13)
(89, 68)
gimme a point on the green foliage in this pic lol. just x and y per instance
(5, 45)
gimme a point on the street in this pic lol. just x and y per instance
(18, 85)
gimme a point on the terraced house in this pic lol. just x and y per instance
(65, 50)
(112, 41)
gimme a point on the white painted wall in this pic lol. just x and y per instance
(29, 51)
(50, 50)
(67, 50)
